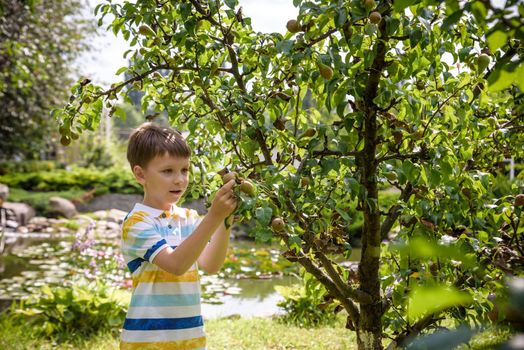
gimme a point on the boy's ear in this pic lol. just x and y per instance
(139, 174)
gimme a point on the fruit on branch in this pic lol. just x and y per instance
(277, 224)
(482, 62)
(248, 188)
(375, 17)
(65, 140)
(229, 176)
(293, 26)
(146, 30)
(391, 175)
(309, 133)
(369, 4)
(519, 200)
(325, 71)
(305, 181)
(280, 124)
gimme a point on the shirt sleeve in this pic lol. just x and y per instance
(141, 237)
(194, 219)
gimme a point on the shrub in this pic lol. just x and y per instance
(81, 309)
(307, 305)
(28, 166)
(113, 180)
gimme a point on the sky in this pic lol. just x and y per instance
(106, 57)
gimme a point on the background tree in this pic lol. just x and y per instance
(38, 43)
(398, 100)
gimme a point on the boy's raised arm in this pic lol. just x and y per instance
(177, 261)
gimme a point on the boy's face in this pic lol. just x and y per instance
(165, 179)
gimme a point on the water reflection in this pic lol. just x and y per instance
(258, 298)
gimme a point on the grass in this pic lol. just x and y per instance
(266, 333)
(224, 333)
(233, 333)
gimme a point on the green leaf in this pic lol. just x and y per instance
(433, 299)
(263, 214)
(451, 20)
(496, 40)
(120, 113)
(284, 46)
(400, 5)
(231, 3)
(500, 78)
(121, 70)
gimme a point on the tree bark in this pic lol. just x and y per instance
(369, 329)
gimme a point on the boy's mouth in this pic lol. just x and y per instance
(176, 192)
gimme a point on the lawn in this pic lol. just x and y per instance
(231, 333)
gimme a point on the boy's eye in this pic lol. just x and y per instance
(185, 170)
(167, 171)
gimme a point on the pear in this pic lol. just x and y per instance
(65, 140)
(280, 124)
(369, 4)
(309, 133)
(325, 71)
(293, 26)
(277, 224)
(248, 188)
(229, 176)
(482, 62)
(305, 181)
(519, 200)
(375, 17)
(146, 30)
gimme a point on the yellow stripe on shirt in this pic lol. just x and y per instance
(163, 276)
(189, 344)
(135, 218)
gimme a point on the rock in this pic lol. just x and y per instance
(63, 207)
(22, 211)
(124, 202)
(83, 220)
(39, 221)
(112, 215)
(4, 192)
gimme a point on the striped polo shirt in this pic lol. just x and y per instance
(164, 312)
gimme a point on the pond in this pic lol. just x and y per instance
(37, 259)
(245, 286)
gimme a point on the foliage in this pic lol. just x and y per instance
(10, 166)
(83, 308)
(422, 96)
(103, 181)
(307, 305)
(38, 42)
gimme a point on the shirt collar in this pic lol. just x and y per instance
(158, 213)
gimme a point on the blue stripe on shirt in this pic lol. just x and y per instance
(134, 264)
(150, 300)
(154, 248)
(141, 324)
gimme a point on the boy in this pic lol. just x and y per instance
(163, 243)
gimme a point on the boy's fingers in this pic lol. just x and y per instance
(227, 187)
(230, 184)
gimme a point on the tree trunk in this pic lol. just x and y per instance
(369, 331)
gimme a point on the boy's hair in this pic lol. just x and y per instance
(150, 140)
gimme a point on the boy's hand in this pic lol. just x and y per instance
(225, 201)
